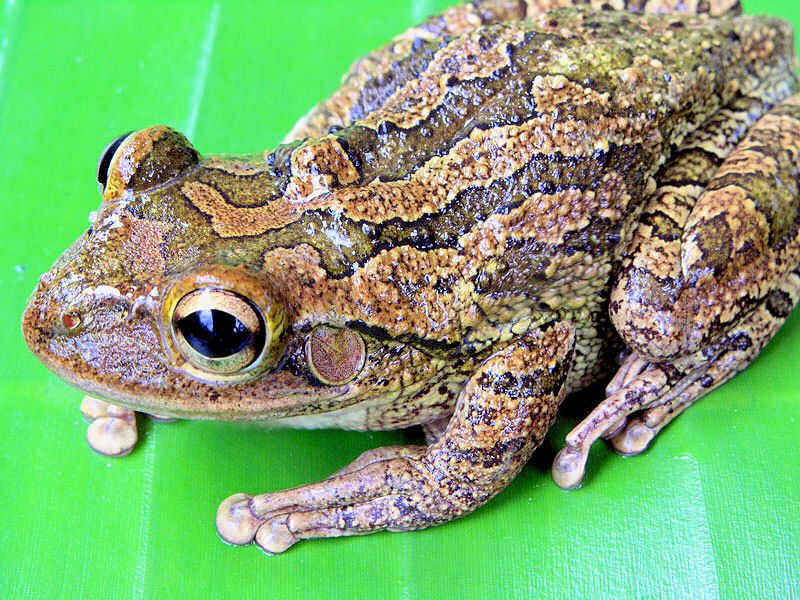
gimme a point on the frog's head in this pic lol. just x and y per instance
(197, 292)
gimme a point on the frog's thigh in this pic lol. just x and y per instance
(665, 390)
(112, 431)
(689, 277)
(502, 414)
(649, 279)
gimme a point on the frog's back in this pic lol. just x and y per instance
(524, 144)
(494, 178)
(437, 89)
(472, 125)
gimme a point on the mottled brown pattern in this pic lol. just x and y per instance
(472, 56)
(397, 288)
(476, 161)
(141, 243)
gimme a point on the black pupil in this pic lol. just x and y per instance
(214, 333)
(105, 160)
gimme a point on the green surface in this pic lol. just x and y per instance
(710, 511)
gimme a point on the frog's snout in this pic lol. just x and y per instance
(37, 322)
(58, 311)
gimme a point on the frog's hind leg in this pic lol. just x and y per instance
(704, 284)
(737, 350)
(661, 392)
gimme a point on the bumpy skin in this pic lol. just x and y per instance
(492, 207)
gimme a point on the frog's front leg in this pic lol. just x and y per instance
(502, 415)
(696, 299)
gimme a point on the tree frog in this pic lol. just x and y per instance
(506, 203)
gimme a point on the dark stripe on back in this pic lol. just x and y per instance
(377, 90)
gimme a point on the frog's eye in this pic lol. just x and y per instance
(335, 355)
(104, 162)
(219, 331)
(222, 324)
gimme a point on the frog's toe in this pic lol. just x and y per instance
(633, 439)
(274, 536)
(640, 432)
(112, 431)
(569, 468)
(92, 408)
(111, 436)
(236, 523)
(280, 532)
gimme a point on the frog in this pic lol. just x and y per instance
(508, 203)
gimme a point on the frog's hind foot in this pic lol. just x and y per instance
(112, 431)
(641, 404)
(636, 435)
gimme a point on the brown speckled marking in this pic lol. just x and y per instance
(229, 220)
(317, 166)
(552, 92)
(394, 288)
(141, 240)
(547, 218)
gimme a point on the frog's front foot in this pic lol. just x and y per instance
(112, 430)
(398, 493)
